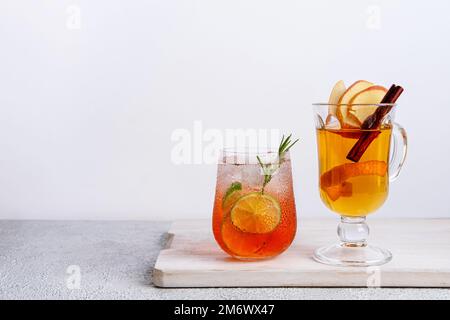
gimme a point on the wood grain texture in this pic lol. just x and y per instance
(421, 250)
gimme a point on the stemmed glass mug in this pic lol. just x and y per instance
(355, 168)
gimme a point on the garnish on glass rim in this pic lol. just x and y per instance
(270, 168)
(372, 122)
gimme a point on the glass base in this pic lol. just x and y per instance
(347, 255)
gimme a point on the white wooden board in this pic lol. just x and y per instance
(420, 248)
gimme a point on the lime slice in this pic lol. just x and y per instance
(256, 213)
(232, 194)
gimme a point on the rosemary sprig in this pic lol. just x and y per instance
(270, 169)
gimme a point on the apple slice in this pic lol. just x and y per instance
(347, 120)
(371, 95)
(336, 93)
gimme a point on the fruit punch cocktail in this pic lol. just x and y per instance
(254, 214)
(360, 150)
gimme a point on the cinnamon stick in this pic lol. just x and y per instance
(372, 122)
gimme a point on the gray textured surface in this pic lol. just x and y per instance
(116, 260)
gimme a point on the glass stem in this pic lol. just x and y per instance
(353, 231)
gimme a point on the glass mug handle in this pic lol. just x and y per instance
(399, 147)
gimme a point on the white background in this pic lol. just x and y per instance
(88, 106)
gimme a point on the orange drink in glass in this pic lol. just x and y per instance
(356, 166)
(254, 215)
(353, 189)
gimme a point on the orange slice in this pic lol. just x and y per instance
(341, 190)
(340, 174)
(242, 244)
(256, 213)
